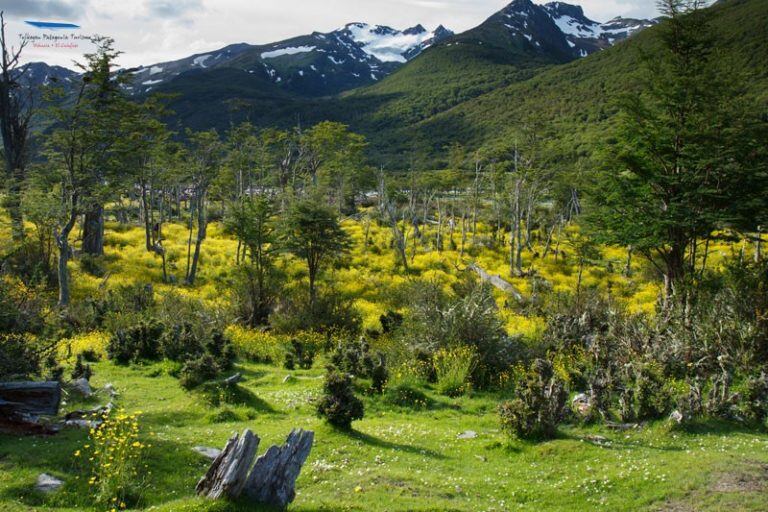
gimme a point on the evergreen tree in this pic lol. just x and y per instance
(683, 165)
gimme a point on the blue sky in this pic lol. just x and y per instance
(151, 31)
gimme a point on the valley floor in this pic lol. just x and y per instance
(398, 458)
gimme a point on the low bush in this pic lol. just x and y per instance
(453, 368)
(136, 342)
(256, 346)
(21, 306)
(219, 346)
(331, 312)
(224, 415)
(755, 399)
(19, 359)
(113, 455)
(81, 370)
(403, 394)
(468, 317)
(92, 265)
(538, 405)
(181, 343)
(338, 403)
(198, 371)
(652, 395)
(300, 355)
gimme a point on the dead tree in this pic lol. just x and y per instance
(271, 480)
(15, 115)
(496, 282)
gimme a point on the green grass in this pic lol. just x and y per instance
(398, 458)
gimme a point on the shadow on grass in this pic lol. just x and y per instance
(217, 394)
(381, 443)
(250, 374)
(716, 426)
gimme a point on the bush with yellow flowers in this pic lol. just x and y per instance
(453, 367)
(114, 456)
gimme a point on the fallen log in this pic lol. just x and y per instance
(30, 398)
(271, 480)
(496, 281)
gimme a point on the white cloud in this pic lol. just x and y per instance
(151, 31)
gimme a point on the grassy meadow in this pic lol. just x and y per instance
(401, 456)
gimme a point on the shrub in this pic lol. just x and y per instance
(254, 293)
(652, 396)
(404, 394)
(453, 367)
(300, 354)
(470, 318)
(197, 371)
(331, 312)
(354, 357)
(257, 346)
(136, 342)
(21, 307)
(81, 370)
(379, 374)
(538, 404)
(18, 357)
(180, 343)
(223, 415)
(113, 454)
(92, 265)
(390, 322)
(90, 355)
(338, 403)
(220, 348)
(755, 401)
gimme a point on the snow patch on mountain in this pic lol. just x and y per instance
(574, 27)
(387, 44)
(200, 61)
(291, 50)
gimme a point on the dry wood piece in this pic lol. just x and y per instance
(272, 479)
(496, 281)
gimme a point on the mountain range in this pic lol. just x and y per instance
(358, 54)
(417, 90)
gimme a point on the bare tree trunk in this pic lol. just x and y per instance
(93, 231)
(759, 245)
(13, 205)
(62, 242)
(439, 240)
(628, 265)
(202, 229)
(475, 201)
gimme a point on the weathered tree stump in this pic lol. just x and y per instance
(30, 398)
(271, 480)
(273, 477)
(228, 473)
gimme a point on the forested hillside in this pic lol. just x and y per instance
(476, 87)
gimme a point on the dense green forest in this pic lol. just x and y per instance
(492, 281)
